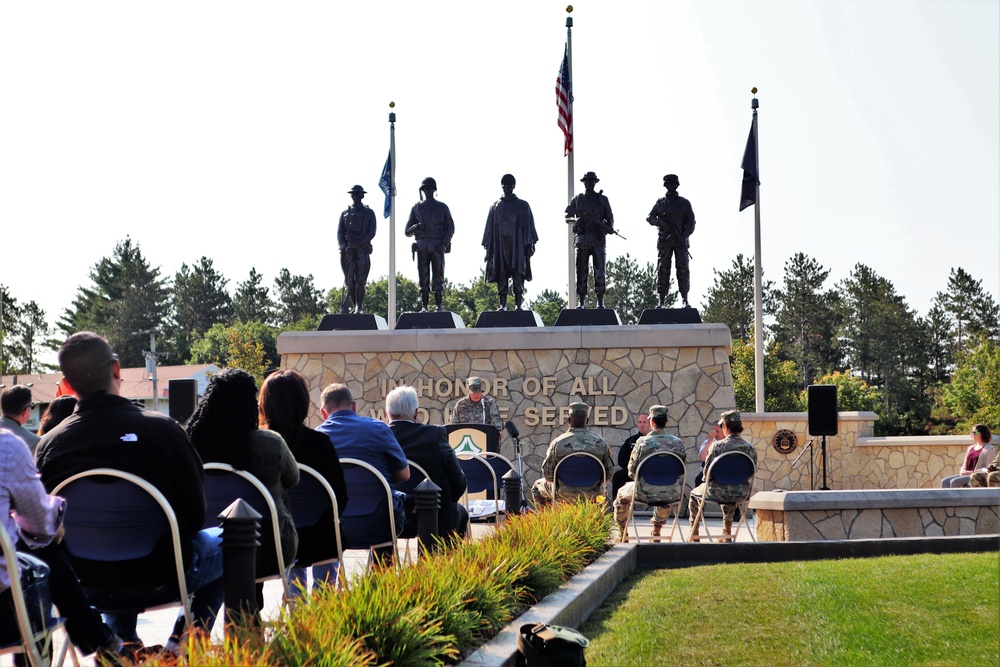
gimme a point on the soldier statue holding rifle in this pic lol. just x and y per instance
(674, 218)
(432, 225)
(354, 234)
(592, 220)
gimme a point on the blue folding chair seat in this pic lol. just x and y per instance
(579, 470)
(662, 469)
(480, 477)
(729, 469)
(310, 501)
(369, 520)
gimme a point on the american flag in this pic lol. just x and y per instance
(564, 100)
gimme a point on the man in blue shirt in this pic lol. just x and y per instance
(366, 439)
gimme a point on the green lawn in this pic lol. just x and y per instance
(905, 610)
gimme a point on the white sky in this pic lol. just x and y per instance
(235, 129)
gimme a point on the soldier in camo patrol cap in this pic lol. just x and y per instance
(576, 439)
(477, 408)
(658, 440)
(732, 426)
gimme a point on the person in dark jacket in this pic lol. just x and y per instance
(284, 405)
(428, 447)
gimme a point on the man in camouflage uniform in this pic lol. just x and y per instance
(354, 235)
(658, 440)
(477, 408)
(988, 477)
(673, 216)
(431, 224)
(577, 438)
(726, 495)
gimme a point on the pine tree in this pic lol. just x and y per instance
(730, 299)
(298, 300)
(631, 290)
(252, 301)
(200, 300)
(128, 298)
(972, 309)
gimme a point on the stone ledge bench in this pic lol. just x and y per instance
(784, 516)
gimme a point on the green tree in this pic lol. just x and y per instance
(10, 320)
(886, 345)
(971, 308)
(377, 296)
(34, 337)
(127, 298)
(939, 332)
(548, 305)
(298, 298)
(252, 301)
(631, 289)
(247, 352)
(781, 379)
(973, 395)
(200, 300)
(216, 346)
(730, 299)
(853, 393)
(806, 321)
(469, 300)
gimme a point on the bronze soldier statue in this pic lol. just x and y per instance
(509, 240)
(673, 216)
(354, 234)
(590, 214)
(431, 224)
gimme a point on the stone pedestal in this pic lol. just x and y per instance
(587, 317)
(670, 316)
(432, 320)
(493, 319)
(352, 322)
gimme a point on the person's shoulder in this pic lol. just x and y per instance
(265, 436)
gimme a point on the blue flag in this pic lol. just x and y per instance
(748, 192)
(385, 184)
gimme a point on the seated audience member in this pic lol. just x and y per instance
(16, 404)
(658, 440)
(284, 406)
(428, 447)
(977, 456)
(107, 431)
(577, 438)
(369, 440)
(714, 433)
(58, 410)
(988, 476)
(29, 513)
(727, 495)
(224, 429)
(621, 477)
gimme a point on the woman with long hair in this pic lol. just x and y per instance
(224, 429)
(284, 405)
(978, 455)
(60, 408)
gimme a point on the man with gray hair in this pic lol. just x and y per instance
(16, 404)
(427, 446)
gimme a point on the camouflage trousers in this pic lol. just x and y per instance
(695, 502)
(981, 478)
(623, 506)
(541, 493)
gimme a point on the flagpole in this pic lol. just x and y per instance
(571, 300)
(758, 289)
(391, 314)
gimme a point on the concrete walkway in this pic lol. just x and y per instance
(155, 627)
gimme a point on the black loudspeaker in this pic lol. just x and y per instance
(183, 397)
(822, 409)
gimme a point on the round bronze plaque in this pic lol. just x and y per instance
(784, 441)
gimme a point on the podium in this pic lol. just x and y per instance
(472, 439)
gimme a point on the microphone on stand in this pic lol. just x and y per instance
(806, 447)
(512, 430)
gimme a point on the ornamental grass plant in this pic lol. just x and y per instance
(430, 613)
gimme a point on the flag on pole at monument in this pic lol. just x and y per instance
(748, 195)
(385, 184)
(564, 100)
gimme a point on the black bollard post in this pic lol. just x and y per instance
(426, 503)
(512, 492)
(240, 539)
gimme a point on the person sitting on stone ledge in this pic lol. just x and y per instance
(658, 440)
(988, 476)
(976, 457)
(577, 438)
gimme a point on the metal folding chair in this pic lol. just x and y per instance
(579, 469)
(30, 638)
(480, 476)
(223, 485)
(308, 501)
(371, 498)
(730, 468)
(660, 469)
(417, 475)
(113, 516)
